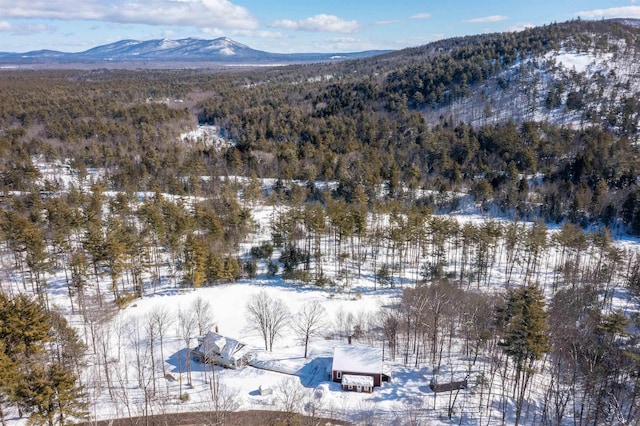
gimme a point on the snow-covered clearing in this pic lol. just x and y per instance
(580, 62)
(206, 136)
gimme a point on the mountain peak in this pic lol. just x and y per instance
(219, 50)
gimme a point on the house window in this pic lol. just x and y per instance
(339, 375)
(350, 387)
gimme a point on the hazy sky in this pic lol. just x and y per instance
(282, 25)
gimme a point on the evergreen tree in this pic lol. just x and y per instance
(50, 394)
(195, 260)
(38, 356)
(522, 322)
(8, 373)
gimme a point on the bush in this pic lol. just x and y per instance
(250, 268)
(384, 276)
(292, 257)
(272, 268)
(263, 251)
(125, 299)
(297, 275)
(324, 281)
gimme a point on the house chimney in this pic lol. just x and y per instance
(216, 329)
(349, 339)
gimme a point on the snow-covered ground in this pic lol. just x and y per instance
(519, 92)
(207, 136)
(122, 342)
(580, 62)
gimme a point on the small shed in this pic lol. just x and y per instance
(448, 387)
(265, 390)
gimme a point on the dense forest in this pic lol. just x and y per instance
(366, 127)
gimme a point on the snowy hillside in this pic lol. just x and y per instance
(566, 87)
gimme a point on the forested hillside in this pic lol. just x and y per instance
(105, 202)
(361, 123)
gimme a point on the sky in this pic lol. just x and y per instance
(283, 26)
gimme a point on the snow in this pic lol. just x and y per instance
(168, 44)
(267, 370)
(227, 51)
(209, 136)
(406, 395)
(580, 62)
(507, 95)
(357, 359)
(351, 380)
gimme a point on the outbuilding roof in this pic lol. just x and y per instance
(351, 380)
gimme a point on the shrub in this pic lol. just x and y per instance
(272, 268)
(250, 268)
(263, 251)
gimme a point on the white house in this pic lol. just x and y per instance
(217, 349)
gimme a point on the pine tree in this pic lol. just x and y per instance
(50, 394)
(38, 355)
(8, 373)
(24, 326)
(232, 268)
(522, 320)
(195, 259)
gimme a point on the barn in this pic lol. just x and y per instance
(357, 368)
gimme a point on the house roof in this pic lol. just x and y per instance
(225, 347)
(350, 379)
(357, 359)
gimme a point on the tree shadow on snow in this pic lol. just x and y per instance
(178, 361)
(315, 372)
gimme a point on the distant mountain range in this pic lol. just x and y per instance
(221, 50)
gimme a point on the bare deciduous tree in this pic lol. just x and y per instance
(162, 318)
(224, 399)
(151, 328)
(202, 310)
(268, 316)
(289, 397)
(187, 323)
(314, 403)
(309, 322)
